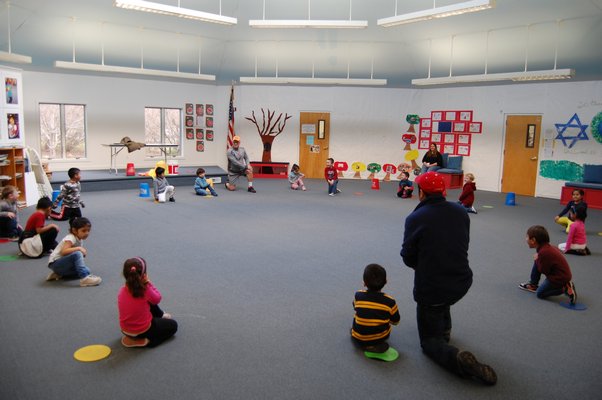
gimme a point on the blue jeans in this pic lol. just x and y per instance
(9, 227)
(72, 265)
(333, 188)
(546, 289)
(425, 169)
(203, 191)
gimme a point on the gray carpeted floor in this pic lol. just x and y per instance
(262, 285)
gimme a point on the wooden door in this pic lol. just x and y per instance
(314, 140)
(519, 173)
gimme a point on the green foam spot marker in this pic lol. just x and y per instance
(390, 355)
(9, 258)
(487, 206)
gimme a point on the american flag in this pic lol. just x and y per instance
(231, 120)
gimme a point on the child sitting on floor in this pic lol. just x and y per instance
(201, 186)
(576, 241)
(9, 217)
(67, 259)
(375, 311)
(163, 190)
(141, 320)
(550, 262)
(295, 178)
(571, 206)
(36, 225)
(406, 187)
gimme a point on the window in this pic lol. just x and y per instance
(62, 131)
(163, 126)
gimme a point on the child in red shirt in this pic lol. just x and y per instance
(331, 175)
(550, 262)
(36, 225)
(467, 196)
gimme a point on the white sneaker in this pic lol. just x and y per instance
(53, 276)
(90, 280)
(331, 194)
(166, 315)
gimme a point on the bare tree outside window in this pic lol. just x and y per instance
(62, 131)
(162, 126)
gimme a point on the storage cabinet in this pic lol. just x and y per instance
(12, 169)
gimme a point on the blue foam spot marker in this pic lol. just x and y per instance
(574, 307)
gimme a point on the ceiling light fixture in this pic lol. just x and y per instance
(281, 80)
(148, 6)
(278, 80)
(307, 23)
(102, 67)
(10, 56)
(504, 76)
(131, 70)
(521, 76)
(436, 12)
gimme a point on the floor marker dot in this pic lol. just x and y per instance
(94, 352)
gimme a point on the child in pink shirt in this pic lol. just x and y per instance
(576, 241)
(141, 320)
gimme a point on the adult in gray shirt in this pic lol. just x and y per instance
(238, 165)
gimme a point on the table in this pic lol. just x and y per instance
(117, 147)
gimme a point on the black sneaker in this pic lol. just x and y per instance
(251, 189)
(569, 290)
(172, 199)
(528, 286)
(471, 368)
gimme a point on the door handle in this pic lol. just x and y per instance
(533, 158)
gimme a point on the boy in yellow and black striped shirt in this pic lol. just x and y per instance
(375, 311)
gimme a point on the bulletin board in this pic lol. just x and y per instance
(450, 130)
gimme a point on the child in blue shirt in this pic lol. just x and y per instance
(201, 186)
(406, 187)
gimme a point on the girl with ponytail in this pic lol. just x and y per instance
(142, 322)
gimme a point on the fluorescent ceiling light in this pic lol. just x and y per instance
(313, 81)
(129, 70)
(14, 58)
(437, 12)
(505, 76)
(148, 6)
(306, 23)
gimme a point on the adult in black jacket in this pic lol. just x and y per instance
(435, 246)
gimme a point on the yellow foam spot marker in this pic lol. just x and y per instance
(487, 206)
(599, 233)
(94, 352)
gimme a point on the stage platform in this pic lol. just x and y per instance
(98, 180)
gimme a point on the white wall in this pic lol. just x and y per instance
(366, 123)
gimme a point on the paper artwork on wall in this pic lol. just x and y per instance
(12, 91)
(596, 127)
(189, 121)
(200, 146)
(189, 133)
(199, 134)
(450, 130)
(189, 108)
(200, 110)
(209, 135)
(13, 126)
(209, 122)
(209, 109)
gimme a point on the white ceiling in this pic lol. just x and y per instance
(518, 30)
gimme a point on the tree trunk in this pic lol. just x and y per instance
(267, 148)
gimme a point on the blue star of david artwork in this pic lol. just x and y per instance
(573, 123)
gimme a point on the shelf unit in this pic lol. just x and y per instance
(12, 169)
